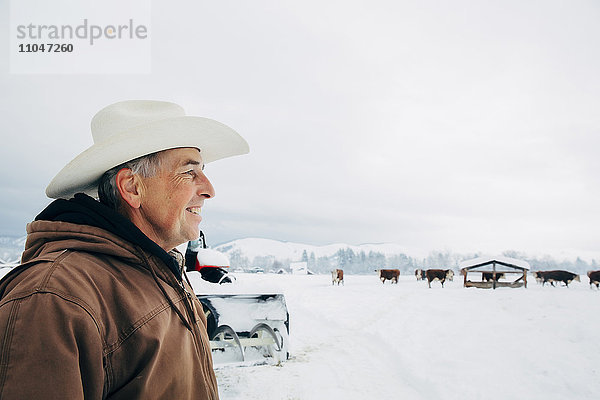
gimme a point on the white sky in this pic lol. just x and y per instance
(463, 125)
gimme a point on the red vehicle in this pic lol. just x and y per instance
(211, 264)
(245, 328)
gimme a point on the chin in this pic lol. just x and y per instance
(192, 235)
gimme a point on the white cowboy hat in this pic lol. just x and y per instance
(130, 129)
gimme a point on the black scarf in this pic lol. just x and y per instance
(84, 210)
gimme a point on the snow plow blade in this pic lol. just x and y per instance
(247, 329)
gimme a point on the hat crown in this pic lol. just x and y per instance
(130, 129)
(125, 115)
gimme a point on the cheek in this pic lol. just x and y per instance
(180, 190)
(180, 195)
(174, 185)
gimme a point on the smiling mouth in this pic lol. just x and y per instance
(194, 210)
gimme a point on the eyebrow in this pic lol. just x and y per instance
(191, 162)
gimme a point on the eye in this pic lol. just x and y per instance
(191, 173)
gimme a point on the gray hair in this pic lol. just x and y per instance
(108, 193)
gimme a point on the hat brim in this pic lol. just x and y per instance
(214, 140)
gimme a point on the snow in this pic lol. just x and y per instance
(366, 340)
(5, 270)
(209, 257)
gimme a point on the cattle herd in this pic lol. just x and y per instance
(431, 275)
(441, 275)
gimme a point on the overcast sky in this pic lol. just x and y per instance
(463, 125)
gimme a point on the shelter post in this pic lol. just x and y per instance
(494, 275)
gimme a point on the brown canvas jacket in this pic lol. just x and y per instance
(91, 316)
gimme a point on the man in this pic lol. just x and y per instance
(100, 307)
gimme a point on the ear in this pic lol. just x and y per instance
(129, 186)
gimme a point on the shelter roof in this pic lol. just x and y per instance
(501, 260)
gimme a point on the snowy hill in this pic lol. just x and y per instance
(256, 247)
(11, 248)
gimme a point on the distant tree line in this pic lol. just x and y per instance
(365, 263)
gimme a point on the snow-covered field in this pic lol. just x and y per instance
(366, 340)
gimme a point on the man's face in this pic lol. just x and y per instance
(171, 200)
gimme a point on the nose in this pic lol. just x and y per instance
(205, 188)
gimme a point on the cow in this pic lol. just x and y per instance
(488, 276)
(388, 274)
(420, 274)
(594, 278)
(439, 274)
(556, 276)
(337, 276)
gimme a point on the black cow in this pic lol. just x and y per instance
(556, 276)
(488, 276)
(439, 274)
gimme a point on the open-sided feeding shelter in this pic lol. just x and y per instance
(495, 268)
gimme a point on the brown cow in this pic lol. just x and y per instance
(556, 276)
(337, 276)
(389, 274)
(594, 278)
(439, 274)
(420, 274)
(488, 276)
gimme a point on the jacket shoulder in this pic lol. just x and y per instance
(22, 279)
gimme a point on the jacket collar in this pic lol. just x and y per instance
(84, 210)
